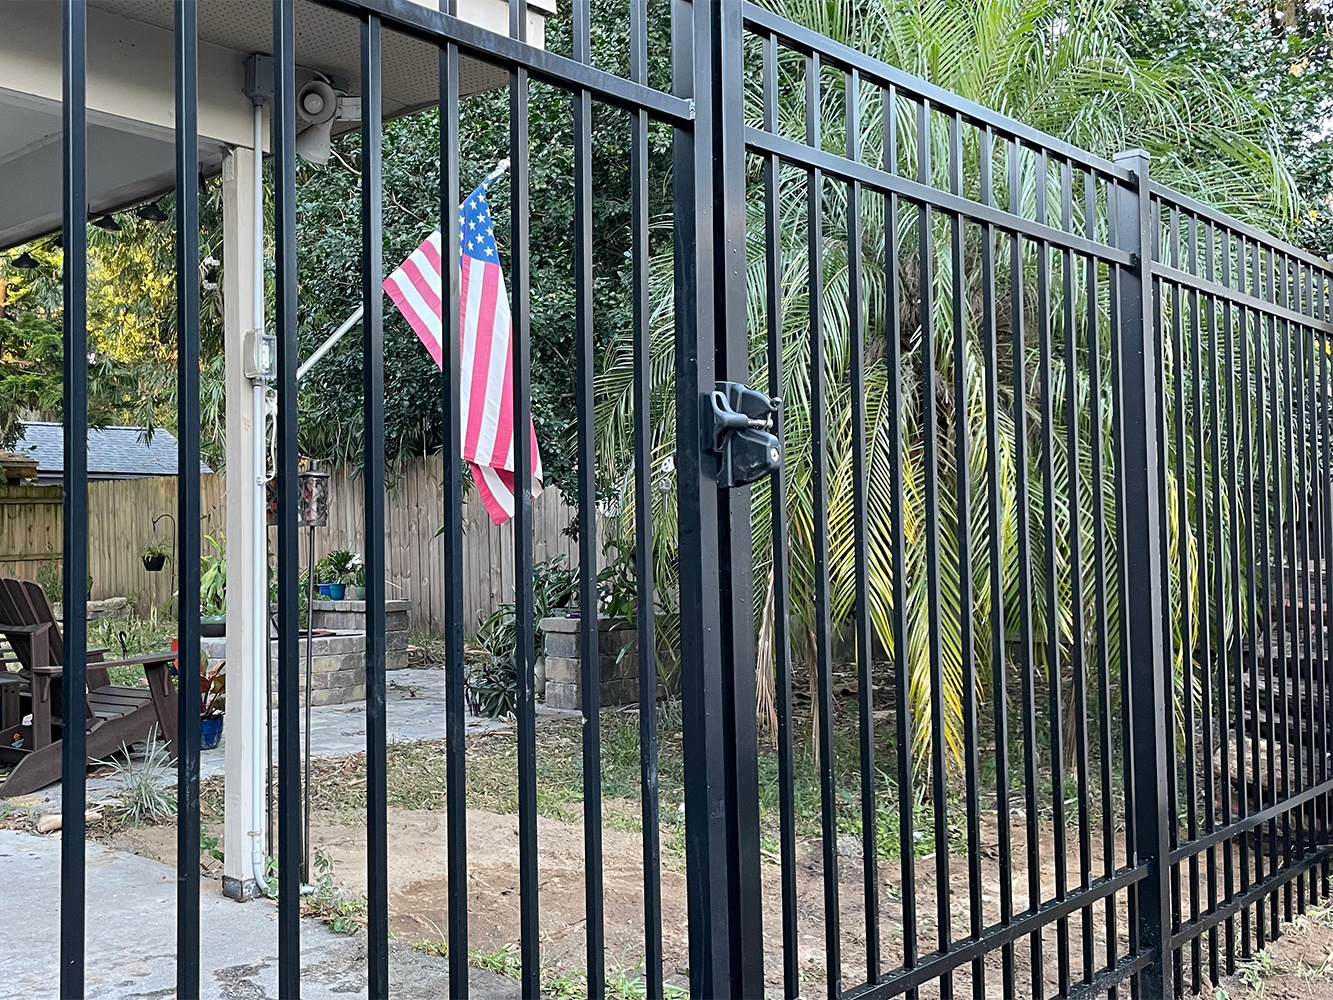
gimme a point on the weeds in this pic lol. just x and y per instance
(340, 911)
(147, 795)
(558, 984)
(505, 961)
(131, 636)
(1253, 973)
(209, 846)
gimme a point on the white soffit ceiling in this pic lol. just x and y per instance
(330, 42)
(131, 160)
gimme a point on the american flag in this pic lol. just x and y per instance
(487, 371)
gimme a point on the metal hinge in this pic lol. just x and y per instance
(691, 109)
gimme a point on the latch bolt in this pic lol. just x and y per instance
(742, 433)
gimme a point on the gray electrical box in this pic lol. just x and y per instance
(260, 355)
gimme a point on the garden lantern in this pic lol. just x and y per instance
(312, 509)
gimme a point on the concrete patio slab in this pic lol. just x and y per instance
(131, 938)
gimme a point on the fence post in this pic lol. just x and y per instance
(1140, 397)
(708, 864)
(735, 555)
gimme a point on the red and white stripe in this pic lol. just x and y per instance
(487, 367)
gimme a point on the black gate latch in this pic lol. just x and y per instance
(742, 422)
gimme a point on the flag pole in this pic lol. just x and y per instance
(327, 346)
(500, 170)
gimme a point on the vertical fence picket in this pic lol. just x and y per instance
(187, 503)
(74, 205)
(372, 390)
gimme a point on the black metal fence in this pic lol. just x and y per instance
(1099, 498)
(1086, 425)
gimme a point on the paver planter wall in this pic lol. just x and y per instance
(618, 661)
(338, 667)
(344, 616)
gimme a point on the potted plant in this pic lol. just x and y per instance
(356, 579)
(333, 572)
(154, 558)
(212, 702)
(213, 589)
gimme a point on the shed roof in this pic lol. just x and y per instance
(113, 452)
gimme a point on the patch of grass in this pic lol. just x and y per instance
(430, 646)
(505, 961)
(560, 984)
(141, 635)
(1253, 973)
(416, 780)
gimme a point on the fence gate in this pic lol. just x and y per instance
(1023, 448)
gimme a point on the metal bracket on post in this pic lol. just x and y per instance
(742, 424)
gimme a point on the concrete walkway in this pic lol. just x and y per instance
(414, 709)
(131, 938)
(131, 926)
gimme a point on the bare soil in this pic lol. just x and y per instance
(1298, 966)
(419, 898)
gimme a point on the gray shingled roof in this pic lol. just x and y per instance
(113, 452)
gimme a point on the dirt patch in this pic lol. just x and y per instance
(419, 896)
(1298, 966)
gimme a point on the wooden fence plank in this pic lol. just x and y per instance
(121, 512)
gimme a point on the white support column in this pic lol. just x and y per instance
(246, 539)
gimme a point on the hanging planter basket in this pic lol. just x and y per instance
(154, 563)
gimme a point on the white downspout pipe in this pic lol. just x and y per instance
(259, 612)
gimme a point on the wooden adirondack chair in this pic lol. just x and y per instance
(116, 714)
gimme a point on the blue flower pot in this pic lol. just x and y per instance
(337, 591)
(322, 589)
(210, 732)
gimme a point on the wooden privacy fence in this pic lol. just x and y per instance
(120, 526)
(414, 557)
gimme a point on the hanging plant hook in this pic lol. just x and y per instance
(173, 531)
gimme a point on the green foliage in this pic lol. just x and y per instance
(132, 636)
(339, 910)
(492, 680)
(146, 795)
(210, 846)
(339, 566)
(32, 381)
(492, 686)
(49, 576)
(213, 576)
(330, 269)
(1281, 53)
(131, 331)
(1078, 80)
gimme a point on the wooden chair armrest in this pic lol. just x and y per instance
(165, 656)
(25, 629)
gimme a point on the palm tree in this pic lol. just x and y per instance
(1059, 67)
